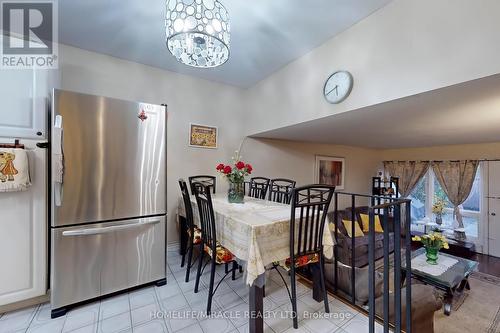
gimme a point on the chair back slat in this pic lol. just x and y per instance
(203, 197)
(258, 187)
(280, 190)
(206, 180)
(187, 205)
(309, 207)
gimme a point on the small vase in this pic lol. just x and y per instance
(236, 192)
(439, 219)
(432, 255)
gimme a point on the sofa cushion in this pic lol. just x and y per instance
(357, 230)
(344, 274)
(365, 221)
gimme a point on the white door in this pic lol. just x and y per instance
(494, 227)
(494, 208)
(494, 179)
(23, 230)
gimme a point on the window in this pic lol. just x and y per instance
(428, 190)
(418, 200)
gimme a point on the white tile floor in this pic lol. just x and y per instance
(133, 312)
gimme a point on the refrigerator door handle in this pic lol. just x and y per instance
(104, 230)
(58, 160)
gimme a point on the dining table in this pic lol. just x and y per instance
(257, 232)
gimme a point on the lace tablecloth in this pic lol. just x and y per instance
(443, 264)
(257, 232)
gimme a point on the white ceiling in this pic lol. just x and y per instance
(460, 114)
(265, 34)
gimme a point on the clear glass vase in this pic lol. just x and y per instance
(431, 254)
(236, 192)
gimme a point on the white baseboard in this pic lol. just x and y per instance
(25, 303)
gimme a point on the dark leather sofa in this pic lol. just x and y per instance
(344, 242)
(424, 303)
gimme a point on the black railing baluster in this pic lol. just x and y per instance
(353, 248)
(386, 268)
(408, 264)
(397, 268)
(371, 271)
(336, 249)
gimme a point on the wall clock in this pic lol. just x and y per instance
(338, 86)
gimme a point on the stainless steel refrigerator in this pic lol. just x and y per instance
(108, 190)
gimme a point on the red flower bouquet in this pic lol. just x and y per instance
(235, 174)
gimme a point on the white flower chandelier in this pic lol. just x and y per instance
(198, 32)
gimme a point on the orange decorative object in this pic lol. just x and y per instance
(197, 235)
(7, 169)
(302, 260)
(222, 256)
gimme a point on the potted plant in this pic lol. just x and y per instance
(433, 242)
(236, 177)
(438, 209)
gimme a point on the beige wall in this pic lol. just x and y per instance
(296, 160)
(189, 100)
(405, 48)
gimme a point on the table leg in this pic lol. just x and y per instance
(256, 309)
(448, 299)
(316, 278)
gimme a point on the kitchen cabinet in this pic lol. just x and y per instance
(24, 97)
(23, 234)
(23, 103)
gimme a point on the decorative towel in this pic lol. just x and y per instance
(14, 170)
(443, 264)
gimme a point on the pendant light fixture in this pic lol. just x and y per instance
(198, 32)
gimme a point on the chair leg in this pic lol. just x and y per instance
(200, 263)
(294, 298)
(233, 274)
(240, 268)
(190, 258)
(323, 286)
(211, 287)
(183, 261)
(226, 267)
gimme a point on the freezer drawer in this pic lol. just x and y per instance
(97, 259)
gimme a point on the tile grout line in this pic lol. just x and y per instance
(34, 315)
(130, 312)
(98, 317)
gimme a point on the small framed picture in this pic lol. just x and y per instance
(203, 136)
(330, 171)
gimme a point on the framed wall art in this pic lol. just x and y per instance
(202, 136)
(330, 171)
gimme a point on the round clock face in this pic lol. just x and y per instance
(338, 87)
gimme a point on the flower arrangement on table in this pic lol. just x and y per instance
(438, 209)
(236, 177)
(433, 242)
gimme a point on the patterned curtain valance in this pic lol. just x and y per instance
(408, 172)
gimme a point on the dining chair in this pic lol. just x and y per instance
(309, 207)
(258, 187)
(193, 231)
(217, 254)
(280, 190)
(204, 179)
